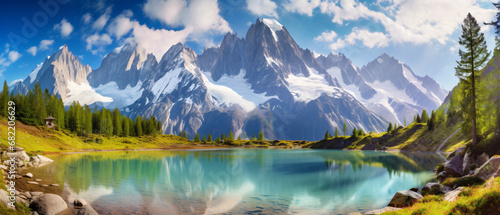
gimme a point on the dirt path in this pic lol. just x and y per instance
(444, 142)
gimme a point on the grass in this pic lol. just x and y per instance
(475, 200)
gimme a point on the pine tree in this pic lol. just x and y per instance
(336, 133)
(261, 136)
(185, 135)
(217, 140)
(419, 120)
(472, 59)
(209, 139)
(327, 135)
(138, 126)
(253, 137)
(425, 116)
(345, 129)
(361, 132)
(389, 129)
(196, 138)
(496, 25)
(405, 122)
(117, 122)
(231, 135)
(4, 99)
(223, 137)
(354, 133)
(159, 127)
(204, 139)
(126, 126)
(88, 120)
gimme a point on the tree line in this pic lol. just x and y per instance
(36, 105)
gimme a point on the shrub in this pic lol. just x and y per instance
(463, 181)
(440, 167)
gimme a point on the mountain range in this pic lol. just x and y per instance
(262, 82)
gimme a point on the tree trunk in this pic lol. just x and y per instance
(474, 130)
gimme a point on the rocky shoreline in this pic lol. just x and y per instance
(462, 166)
(41, 197)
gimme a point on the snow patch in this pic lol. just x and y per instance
(118, 49)
(35, 72)
(309, 88)
(380, 60)
(84, 94)
(234, 90)
(121, 98)
(167, 83)
(274, 26)
(414, 80)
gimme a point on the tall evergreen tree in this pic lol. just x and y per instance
(209, 139)
(117, 123)
(196, 138)
(223, 137)
(231, 135)
(472, 58)
(336, 133)
(326, 135)
(138, 126)
(87, 126)
(4, 99)
(345, 129)
(425, 116)
(261, 135)
(204, 139)
(126, 126)
(354, 133)
(389, 129)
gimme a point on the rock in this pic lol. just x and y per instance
(87, 210)
(432, 189)
(33, 194)
(17, 149)
(488, 169)
(470, 161)
(20, 156)
(29, 175)
(454, 166)
(4, 167)
(34, 213)
(38, 179)
(48, 204)
(79, 202)
(44, 185)
(20, 163)
(27, 194)
(383, 210)
(354, 213)
(21, 200)
(404, 198)
(29, 164)
(55, 185)
(4, 197)
(452, 195)
(44, 160)
(32, 182)
(442, 175)
(456, 152)
(414, 189)
(35, 160)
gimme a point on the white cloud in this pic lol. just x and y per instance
(102, 20)
(44, 45)
(64, 27)
(301, 6)
(32, 50)
(98, 41)
(262, 7)
(406, 21)
(86, 18)
(15, 81)
(200, 15)
(367, 38)
(120, 26)
(14, 56)
(326, 36)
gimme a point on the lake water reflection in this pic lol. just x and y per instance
(240, 181)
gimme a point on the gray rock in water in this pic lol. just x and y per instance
(432, 189)
(454, 166)
(405, 198)
(79, 202)
(48, 204)
(488, 169)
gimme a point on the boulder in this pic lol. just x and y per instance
(456, 152)
(432, 189)
(404, 198)
(454, 166)
(442, 175)
(488, 169)
(33, 194)
(44, 160)
(79, 202)
(29, 175)
(18, 149)
(20, 156)
(383, 210)
(87, 210)
(470, 160)
(35, 160)
(27, 194)
(4, 167)
(48, 204)
(4, 197)
(452, 195)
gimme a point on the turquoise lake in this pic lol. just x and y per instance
(239, 181)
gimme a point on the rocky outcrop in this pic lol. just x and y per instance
(487, 170)
(454, 166)
(453, 195)
(471, 162)
(432, 189)
(48, 204)
(405, 198)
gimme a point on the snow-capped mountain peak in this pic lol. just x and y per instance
(274, 25)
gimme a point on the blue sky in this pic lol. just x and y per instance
(421, 33)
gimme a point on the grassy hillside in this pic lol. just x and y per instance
(37, 139)
(415, 137)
